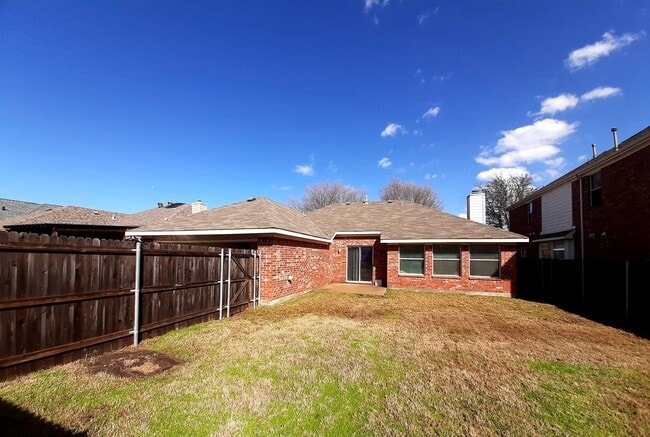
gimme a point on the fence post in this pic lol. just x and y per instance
(627, 291)
(136, 291)
(229, 268)
(221, 286)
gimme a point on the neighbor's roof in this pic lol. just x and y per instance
(394, 221)
(161, 214)
(403, 221)
(637, 141)
(72, 215)
(257, 215)
(15, 208)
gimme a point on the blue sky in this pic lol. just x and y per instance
(118, 105)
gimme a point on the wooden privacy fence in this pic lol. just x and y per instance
(611, 291)
(62, 298)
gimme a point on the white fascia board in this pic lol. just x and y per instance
(220, 232)
(459, 240)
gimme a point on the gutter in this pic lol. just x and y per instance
(459, 240)
(218, 232)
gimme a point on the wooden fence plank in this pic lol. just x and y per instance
(61, 296)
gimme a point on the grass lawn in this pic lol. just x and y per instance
(339, 364)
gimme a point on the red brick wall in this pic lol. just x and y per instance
(618, 228)
(505, 284)
(290, 267)
(519, 224)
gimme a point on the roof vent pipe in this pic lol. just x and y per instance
(615, 138)
(593, 151)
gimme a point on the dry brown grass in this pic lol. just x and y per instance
(409, 363)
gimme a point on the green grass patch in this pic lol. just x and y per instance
(590, 400)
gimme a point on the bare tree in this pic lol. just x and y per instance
(500, 193)
(422, 194)
(325, 193)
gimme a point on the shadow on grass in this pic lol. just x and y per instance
(638, 326)
(16, 421)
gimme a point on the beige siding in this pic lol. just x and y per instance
(556, 210)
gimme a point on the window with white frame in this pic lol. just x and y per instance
(411, 259)
(446, 259)
(553, 249)
(529, 213)
(595, 190)
(484, 260)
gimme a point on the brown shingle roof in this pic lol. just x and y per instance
(161, 214)
(73, 215)
(257, 213)
(398, 220)
(402, 220)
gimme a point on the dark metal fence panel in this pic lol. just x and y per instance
(62, 298)
(614, 291)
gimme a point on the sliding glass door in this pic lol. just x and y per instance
(359, 264)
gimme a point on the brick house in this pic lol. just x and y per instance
(395, 244)
(597, 211)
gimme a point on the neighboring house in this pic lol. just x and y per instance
(75, 221)
(395, 243)
(10, 209)
(598, 211)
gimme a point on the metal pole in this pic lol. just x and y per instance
(136, 291)
(627, 290)
(259, 278)
(582, 251)
(254, 278)
(228, 301)
(221, 287)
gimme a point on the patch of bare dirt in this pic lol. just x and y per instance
(132, 363)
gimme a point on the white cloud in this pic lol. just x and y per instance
(515, 157)
(540, 133)
(552, 173)
(562, 102)
(601, 92)
(591, 53)
(535, 143)
(430, 176)
(555, 163)
(552, 105)
(488, 175)
(369, 4)
(393, 129)
(305, 169)
(432, 112)
(384, 163)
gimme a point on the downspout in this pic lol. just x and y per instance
(254, 278)
(136, 291)
(259, 278)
